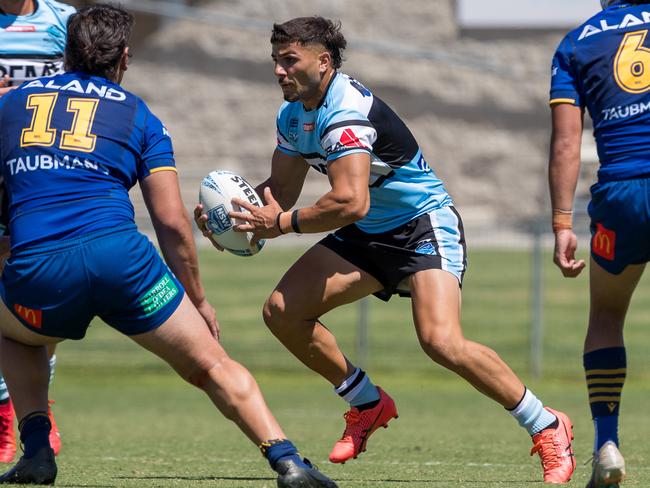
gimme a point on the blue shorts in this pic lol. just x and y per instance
(620, 223)
(431, 241)
(56, 289)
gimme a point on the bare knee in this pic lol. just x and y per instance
(198, 373)
(232, 384)
(274, 314)
(445, 349)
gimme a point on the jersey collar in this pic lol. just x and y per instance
(322, 100)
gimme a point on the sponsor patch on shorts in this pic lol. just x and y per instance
(159, 295)
(603, 243)
(426, 247)
(29, 315)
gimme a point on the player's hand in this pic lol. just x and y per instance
(566, 244)
(4, 85)
(201, 220)
(210, 316)
(261, 221)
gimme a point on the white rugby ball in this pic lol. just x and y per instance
(216, 194)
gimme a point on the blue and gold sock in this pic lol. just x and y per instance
(276, 450)
(605, 371)
(34, 433)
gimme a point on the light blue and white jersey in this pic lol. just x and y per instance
(350, 119)
(32, 45)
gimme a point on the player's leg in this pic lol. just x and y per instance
(185, 342)
(436, 301)
(25, 364)
(620, 227)
(55, 435)
(318, 282)
(7, 417)
(605, 365)
(7, 433)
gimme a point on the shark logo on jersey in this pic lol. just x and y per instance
(293, 130)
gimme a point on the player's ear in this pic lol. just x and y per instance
(124, 60)
(324, 61)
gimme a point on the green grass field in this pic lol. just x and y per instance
(128, 421)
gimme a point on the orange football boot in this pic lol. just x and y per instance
(7, 434)
(553, 445)
(359, 425)
(55, 436)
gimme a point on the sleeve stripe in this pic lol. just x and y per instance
(345, 152)
(163, 168)
(562, 100)
(345, 123)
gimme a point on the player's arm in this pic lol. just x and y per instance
(346, 202)
(171, 222)
(287, 178)
(564, 168)
(5, 85)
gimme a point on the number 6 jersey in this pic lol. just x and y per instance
(604, 66)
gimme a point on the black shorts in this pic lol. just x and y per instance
(432, 241)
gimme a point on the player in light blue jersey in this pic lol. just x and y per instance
(398, 233)
(603, 67)
(32, 40)
(71, 147)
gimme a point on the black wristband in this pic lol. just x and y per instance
(277, 222)
(294, 222)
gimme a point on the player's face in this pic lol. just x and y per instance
(18, 7)
(300, 71)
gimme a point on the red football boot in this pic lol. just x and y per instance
(55, 436)
(7, 434)
(359, 425)
(554, 447)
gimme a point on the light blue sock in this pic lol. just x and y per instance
(52, 367)
(4, 393)
(531, 414)
(357, 389)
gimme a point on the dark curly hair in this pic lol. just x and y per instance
(97, 37)
(312, 30)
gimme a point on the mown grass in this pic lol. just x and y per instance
(127, 420)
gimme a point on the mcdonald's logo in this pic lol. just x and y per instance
(29, 315)
(603, 243)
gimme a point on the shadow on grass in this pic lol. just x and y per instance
(197, 478)
(437, 481)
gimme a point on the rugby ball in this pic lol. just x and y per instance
(216, 194)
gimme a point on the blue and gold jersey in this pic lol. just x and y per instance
(32, 45)
(71, 147)
(351, 119)
(604, 66)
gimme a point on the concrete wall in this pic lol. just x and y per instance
(477, 103)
